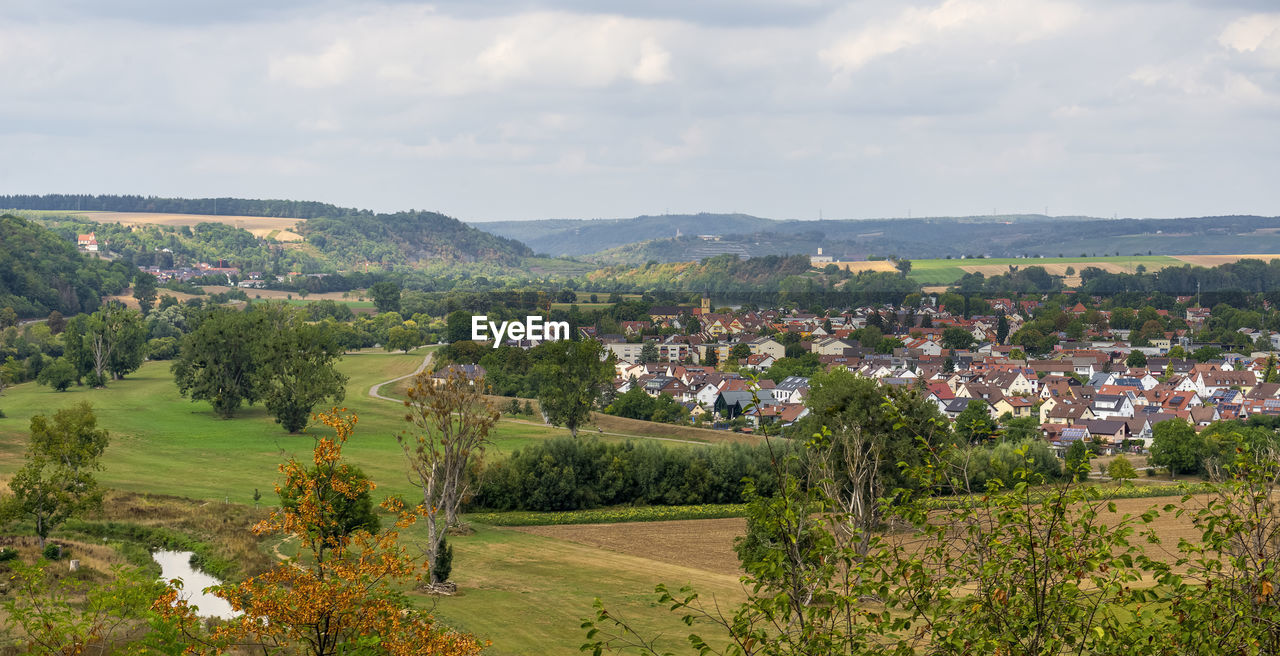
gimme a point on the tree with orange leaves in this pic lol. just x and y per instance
(335, 596)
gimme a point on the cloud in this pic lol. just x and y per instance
(534, 108)
(996, 21)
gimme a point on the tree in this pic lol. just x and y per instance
(56, 322)
(109, 341)
(296, 368)
(1175, 445)
(339, 594)
(1002, 329)
(57, 482)
(571, 378)
(59, 375)
(1121, 469)
(1078, 455)
(386, 296)
(649, 352)
(219, 360)
(8, 317)
(144, 290)
(957, 338)
(1136, 359)
(713, 357)
(450, 421)
(974, 424)
(350, 512)
(739, 351)
(458, 327)
(403, 338)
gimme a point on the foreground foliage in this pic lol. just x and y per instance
(338, 596)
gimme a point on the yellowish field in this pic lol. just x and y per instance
(279, 229)
(1215, 260)
(1057, 269)
(875, 265)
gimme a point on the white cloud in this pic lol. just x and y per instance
(1251, 33)
(329, 68)
(999, 21)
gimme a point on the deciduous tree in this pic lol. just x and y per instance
(570, 380)
(450, 421)
(56, 482)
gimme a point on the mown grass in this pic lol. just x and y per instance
(166, 444)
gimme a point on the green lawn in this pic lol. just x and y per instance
(527, 594)
(163, 443)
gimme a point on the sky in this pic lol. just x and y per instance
(524, 109)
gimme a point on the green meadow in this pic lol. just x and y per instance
(526, 593)
(164, 443)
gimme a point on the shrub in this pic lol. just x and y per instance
(7, 554)
(53, 551)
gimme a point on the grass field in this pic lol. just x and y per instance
(166, 444)
(527, 593)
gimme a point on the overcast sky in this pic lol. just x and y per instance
(517, 109)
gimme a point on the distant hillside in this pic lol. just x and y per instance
(638, 240)
(40, 272)
(557, 237)
(344, 236)
(407, 238)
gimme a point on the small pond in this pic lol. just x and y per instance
(177, 565)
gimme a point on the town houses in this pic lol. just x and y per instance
(744, 368)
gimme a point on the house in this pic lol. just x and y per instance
(767, 346)
(469, 372)
(792, 389)
(87, 242)
(733, 403)
(1110, 407)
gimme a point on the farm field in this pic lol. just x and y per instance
(1216, 260)
(279, 229)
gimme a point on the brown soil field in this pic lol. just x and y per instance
(1215, 260)
(279, 229)
(707, 544)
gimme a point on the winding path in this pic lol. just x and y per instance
(426, 362)
(373, 391)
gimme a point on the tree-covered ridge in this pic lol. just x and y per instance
(408, 237)
(40, 272)
(719, 273)
(299, 209)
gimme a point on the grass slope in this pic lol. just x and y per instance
(166, 444)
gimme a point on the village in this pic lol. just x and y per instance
(1100, 389)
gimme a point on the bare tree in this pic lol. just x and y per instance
(451, 421)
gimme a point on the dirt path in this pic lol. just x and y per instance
(373, 391)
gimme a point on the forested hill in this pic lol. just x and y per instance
(40, 272)
(557, 237)
(407, 237)
(342, 234)
(639, 240)
(294, 209)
